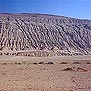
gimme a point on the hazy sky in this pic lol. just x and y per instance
(72, 8)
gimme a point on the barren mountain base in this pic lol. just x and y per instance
(45, 74)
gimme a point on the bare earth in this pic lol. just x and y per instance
(45, 74)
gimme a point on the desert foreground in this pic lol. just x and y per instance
(45, 74)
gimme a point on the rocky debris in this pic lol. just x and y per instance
(61, 35)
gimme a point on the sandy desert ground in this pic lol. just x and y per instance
(45, 74)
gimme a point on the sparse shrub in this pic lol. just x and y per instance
(63, 63)
(81, 69)
(41, 63)
(1, 53)
(18, 63)
(35, 63)
(76, 63)
(88, 63)
(68, 69)
(3, 74)
(50, 63)
(15, 62)
(4, 64)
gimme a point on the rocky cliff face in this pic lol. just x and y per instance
(45, 32)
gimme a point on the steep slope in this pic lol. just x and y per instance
(44, 32)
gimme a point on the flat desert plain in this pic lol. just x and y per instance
(45, 74)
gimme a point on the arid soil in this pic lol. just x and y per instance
(45, 74)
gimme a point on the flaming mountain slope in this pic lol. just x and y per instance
(44, 32)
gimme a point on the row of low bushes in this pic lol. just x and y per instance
(43, 63)
(60, 63)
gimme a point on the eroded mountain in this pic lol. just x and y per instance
(26, 32)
